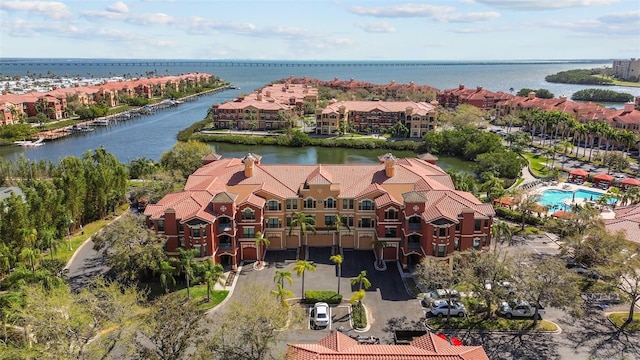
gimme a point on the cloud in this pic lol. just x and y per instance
(543, 4)
(151, 19)
(377, 27)
(403, 11)
(102, 15)
(26, 28)
(593, 28)
(437, 13)
(622, 17)
(118, 7)
(49, 9)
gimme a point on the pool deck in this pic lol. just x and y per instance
(606, 213)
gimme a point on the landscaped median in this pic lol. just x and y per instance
(619, 318)
(493, 324)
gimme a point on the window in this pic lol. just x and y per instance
(415, 223)
(442, 250)
(288, 221)
(390, 232)
(196, 232)
(248, 214)
(309, 203)
(414, 241)
(330, 203)
(456, 244)
(349, 220)
(476, 243)
(225, 242)
(478, 225)
(365, 223)
(458, 227)
(442, 232)
(365, 205)
(248, 232)
(347, 204)
(273, 205)
(292, 204)
(391, 214)
(274, 223)
(329, 220)
(161, 225)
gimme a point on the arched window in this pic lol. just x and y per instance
(248, 214)
(309, 203)
(391, 214)
(330, 203)
(273, 205)
(365, 205)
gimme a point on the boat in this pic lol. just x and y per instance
(27, 143)
(81, 128)
(100, 122)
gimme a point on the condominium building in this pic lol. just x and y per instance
(628, 70)
(407, 206)
(376, 117)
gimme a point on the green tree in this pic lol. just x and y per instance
(30, 256)
(170, 328)
(250, 328)
(501, 232)
(380, 244)
(300, 268)
(361, 280)
(166, 275)
(187, 266)
(282, 294)
(303, 222)
(337, 259)
(439, 274)
(281, 276)
(261, 243)
(185, 157)
(211, 274)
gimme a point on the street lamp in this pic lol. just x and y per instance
(69, 222)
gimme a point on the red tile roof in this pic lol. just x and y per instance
(603, 177)
(353, 181)
(337, 346)
(627, 220)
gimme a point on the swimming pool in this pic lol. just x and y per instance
(555, 200)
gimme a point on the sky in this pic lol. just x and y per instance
(321, 30)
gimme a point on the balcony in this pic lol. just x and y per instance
(414, 246)
(228, 227)
(415, 227)
(226, 246)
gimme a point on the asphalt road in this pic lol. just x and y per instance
(85, 265)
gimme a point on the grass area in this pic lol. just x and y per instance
(359, 316)
(619, 318)
(199, 295)
(76, 239)
(472, 322)
(537, 164)
(619, 82)
(528, 230)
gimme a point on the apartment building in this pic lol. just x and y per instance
(628, 70)
(376, 117)
(408, 204)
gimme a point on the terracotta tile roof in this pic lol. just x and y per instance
(419, 108)
(337, 346)
(227, 176)
(627, 220)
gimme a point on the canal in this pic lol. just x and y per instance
(151, 135)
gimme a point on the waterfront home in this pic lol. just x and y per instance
(406, 209)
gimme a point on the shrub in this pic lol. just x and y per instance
(359, 316)
(516, 216)
(314, 296)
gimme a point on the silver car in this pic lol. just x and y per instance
(320, 315)
(442, 308)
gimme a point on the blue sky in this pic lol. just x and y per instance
(321, 30)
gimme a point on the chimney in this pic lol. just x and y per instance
(259, 97)
(629, 107)
(532, 95)
(478, 88)
(389, 164)
(461, 87)
(248, 161)
(268, 93)
(563, 98)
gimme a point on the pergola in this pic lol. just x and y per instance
(602, 181)
(578, 176)
(625, 184)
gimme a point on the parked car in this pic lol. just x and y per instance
(320, 315)
(442, 308)
(591, 274)
(439, 294)
(519, 309)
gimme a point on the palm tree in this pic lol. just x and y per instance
(361, 280)
(581, 130)
(303, 222)
(337, 259)
(281, 276)
(381, 244)
(260, 242)
(564, 147)
(212, 274)
(300, 267)
(282, 294)
(166, 275)
(6, 257)
(338, 223)
(187, 266)
(631, 196)
(628, 138)
(493, 186)
(29, 256)
(501, 232)
(49, 239)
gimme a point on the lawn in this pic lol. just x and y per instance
(619, 318)
(199, 295)
(76, 239)
(472, 322)
(537, 164)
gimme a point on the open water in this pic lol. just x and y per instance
(150, 136)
